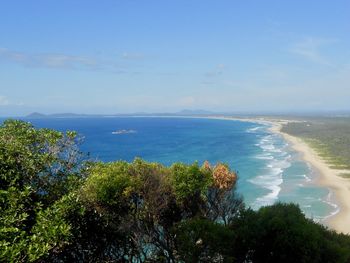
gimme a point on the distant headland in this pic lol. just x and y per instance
(198, 112)
(37, 115)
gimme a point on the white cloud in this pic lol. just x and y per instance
(217, 71)
(65, 61)
(132, 56)
(310, 49)
(59, 61)
(4, 101)
(283, 89)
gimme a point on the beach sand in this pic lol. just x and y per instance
(329, 178)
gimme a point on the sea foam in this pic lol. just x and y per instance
(271, 175)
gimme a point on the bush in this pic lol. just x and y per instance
(281, 233)
(38, 168)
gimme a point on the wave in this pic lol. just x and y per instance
(271, 180)
(306, 206)
(255, 129)
(274, 156)
(268, 144)
(272, 183)
(264, 157)
(329, 202)
(278, 159)
(307, 179)
(313, 203)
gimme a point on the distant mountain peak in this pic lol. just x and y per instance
(35, 115)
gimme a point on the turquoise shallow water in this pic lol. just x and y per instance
(269, 170)
(289, 179)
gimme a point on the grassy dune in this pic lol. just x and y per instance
(329, 136)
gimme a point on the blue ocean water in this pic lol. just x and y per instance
(269, 170)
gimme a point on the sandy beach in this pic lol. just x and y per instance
(329, 178)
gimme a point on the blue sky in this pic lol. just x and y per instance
(162, 56)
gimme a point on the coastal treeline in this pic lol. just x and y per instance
(58, 206)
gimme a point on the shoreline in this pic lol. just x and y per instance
(328, 177)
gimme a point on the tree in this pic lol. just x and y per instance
(146, 206)
(281, 233)
(223, 204)
(202, 240)
(38, 167)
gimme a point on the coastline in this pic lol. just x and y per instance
(329, 178)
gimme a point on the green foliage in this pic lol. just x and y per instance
(189, 180)
(25, 239)
(50, 232)
(201, 240)
(43, 159)
(140, 204)
(281, 233)
(38, 168)
(14, 214)
(108, 184)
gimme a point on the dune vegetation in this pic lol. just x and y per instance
(330, 137)
(58, 206)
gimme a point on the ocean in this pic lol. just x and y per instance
(268, 169)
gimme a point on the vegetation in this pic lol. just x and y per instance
(329, 136)
(38, 171)
(55, 207)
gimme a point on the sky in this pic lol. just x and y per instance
(129, 56)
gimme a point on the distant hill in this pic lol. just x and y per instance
(186, 112)
(37, 115)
